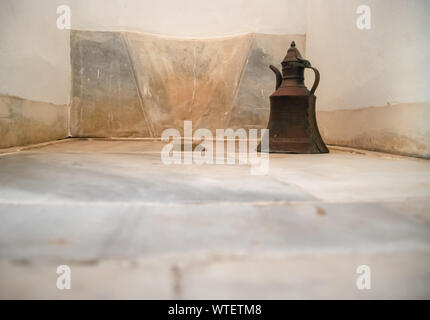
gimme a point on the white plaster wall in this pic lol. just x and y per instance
(34, 54)
(191, 18)
(386, 65)
(374, 83)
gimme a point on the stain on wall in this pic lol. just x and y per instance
(25, 122)
(188, 79)
(131, 84)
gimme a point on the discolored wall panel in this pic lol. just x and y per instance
(131, 84)
(105, 99)
(24, 121)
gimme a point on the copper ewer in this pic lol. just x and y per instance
(292, 123)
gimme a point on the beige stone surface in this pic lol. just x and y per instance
(223, 275)
(92, 279)
(131, 227)
(105, 101)
(400, 129)
(374, 82)
(136, 85)
(25, 122)
(128, 84)
(324, 275)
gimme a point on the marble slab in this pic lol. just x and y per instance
(131, 84)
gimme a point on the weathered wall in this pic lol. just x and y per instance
(190, 18)
(374, 87)
(383, 68)
(35, 59)
(130, 84)
(24, 121)
(34, 73)
(34, 54)
(395, 129)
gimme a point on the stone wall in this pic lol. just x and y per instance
(400, 129)
(26, 122)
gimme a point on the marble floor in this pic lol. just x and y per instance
(129, 226)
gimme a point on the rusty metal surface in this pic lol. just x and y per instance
(292, 124)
